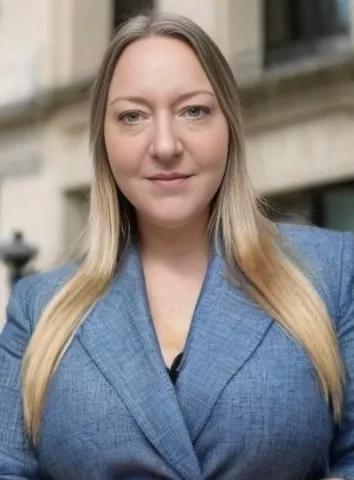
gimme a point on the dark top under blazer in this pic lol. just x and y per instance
(246, 404)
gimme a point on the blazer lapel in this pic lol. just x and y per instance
(227, 328)
(119, 336)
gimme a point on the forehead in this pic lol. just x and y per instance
(158, 65)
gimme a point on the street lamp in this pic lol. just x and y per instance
(16, 254)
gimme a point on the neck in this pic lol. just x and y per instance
(175, 245)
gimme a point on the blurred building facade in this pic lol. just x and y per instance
(294, 61)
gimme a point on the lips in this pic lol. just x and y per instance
(170, 176)
(170, 180)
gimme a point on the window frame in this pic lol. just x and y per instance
(122, 10)
(300, 47)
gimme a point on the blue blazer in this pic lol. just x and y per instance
(246, 405)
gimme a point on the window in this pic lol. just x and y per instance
(296, 28)
(296, 207)
(330, 207)
(338, 204)
(124, 9)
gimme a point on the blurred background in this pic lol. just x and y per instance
(293, 59)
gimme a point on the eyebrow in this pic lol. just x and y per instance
(142, 100)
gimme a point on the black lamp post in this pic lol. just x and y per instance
(16, 254)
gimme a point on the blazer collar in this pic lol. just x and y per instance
(119, 336)
(227, 328)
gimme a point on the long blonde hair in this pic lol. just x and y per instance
(251, 243)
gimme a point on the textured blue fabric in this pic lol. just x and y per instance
(246, 405)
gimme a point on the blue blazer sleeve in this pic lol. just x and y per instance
(18, 459)
(342, 450)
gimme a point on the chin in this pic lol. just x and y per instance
(171, 220)
(174, 218)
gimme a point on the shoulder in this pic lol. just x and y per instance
(328, 256)
(31, 294)
(319, 243)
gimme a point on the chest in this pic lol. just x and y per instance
(270, 416)
(172, 300)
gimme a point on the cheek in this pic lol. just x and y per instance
(213, 150)
(122, 156)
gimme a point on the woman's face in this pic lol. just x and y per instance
(166, 136)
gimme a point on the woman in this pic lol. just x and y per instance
(181, 265)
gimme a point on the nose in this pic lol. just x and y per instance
(165, 144)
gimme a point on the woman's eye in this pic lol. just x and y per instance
(196, 112)
(130, 117)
